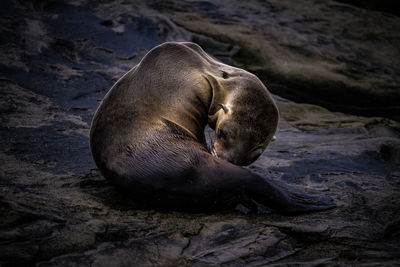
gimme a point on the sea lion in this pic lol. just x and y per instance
(147, 136)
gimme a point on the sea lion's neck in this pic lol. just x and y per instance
(218, 96)
(191, 112)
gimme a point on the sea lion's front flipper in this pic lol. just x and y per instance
(286, 199)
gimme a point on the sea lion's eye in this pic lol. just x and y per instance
(224, 75)
(221, 135)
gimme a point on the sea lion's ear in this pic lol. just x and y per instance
(224, 107)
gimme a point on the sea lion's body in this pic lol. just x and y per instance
(148, 134)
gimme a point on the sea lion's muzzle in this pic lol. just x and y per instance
(234, 160)
(226, 156)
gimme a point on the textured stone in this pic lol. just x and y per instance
(58, 60)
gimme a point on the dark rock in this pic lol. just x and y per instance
(390, 151)
(389, 6)
(58, 60)
(331, 54)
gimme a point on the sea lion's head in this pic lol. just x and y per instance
(246, 122)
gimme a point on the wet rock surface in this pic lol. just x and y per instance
(57, 62)
(326, 53)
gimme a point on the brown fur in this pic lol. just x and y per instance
(147, 136)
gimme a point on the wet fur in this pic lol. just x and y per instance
(153, 145)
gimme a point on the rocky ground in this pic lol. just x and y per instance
(59, 59)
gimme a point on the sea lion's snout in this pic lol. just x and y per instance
(239, 159)
(241, 162)
(226, 155)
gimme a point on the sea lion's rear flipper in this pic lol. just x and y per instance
(306, 203)
(288, 200)
(228, 179)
